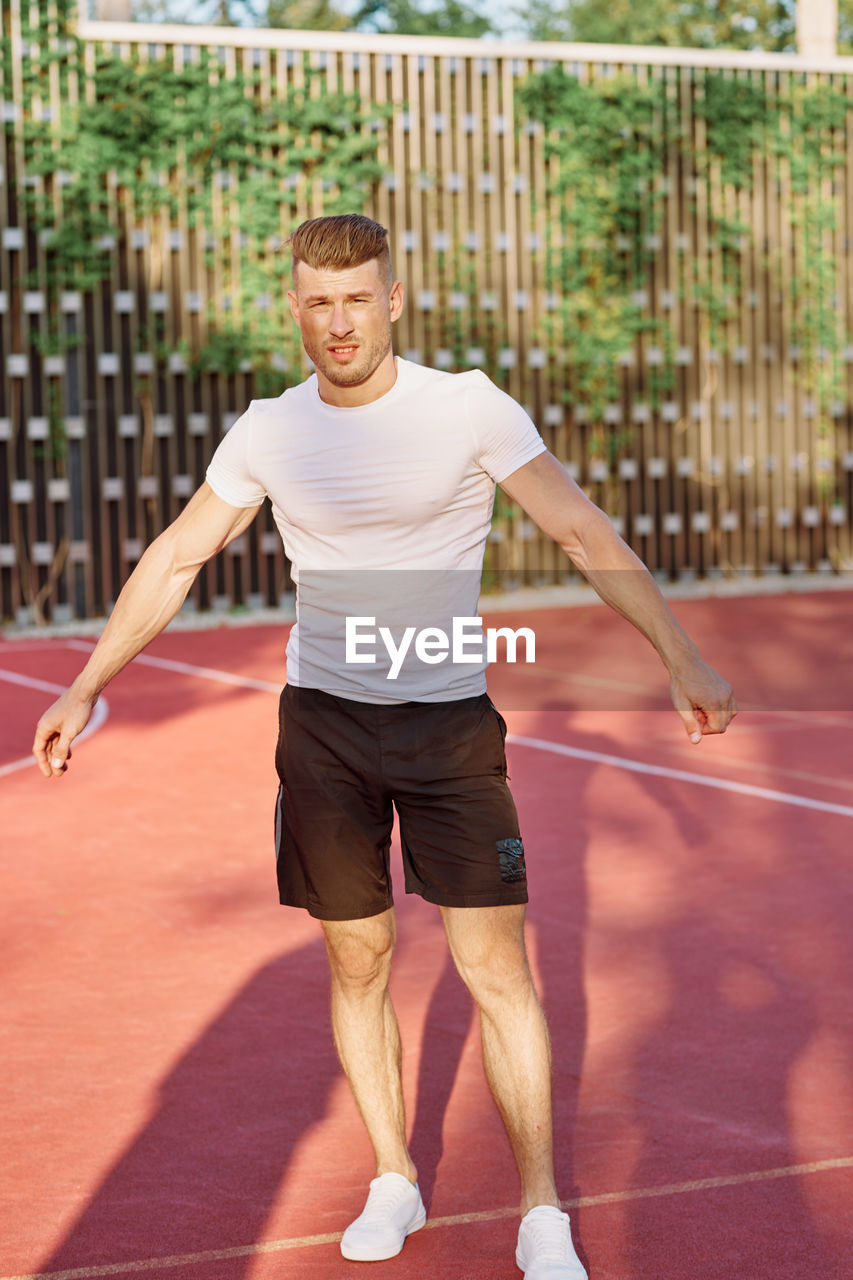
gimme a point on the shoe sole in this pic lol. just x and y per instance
(522, 1265)
(354, 1254)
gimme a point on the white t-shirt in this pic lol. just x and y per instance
(384, 510)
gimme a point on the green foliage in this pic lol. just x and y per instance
(607, 141)
(223, 13)
(604, 138)
(408, 17)
(802, 129)
(735, 112)
(306, 15)
(544, 20)
(299, 15)
(703, 24)
(845, 26)
(397, 17)
(707, 24)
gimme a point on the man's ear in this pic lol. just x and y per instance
(294, 305)
(397, 297)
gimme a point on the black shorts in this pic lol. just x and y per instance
(344, 766)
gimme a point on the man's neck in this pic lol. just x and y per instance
(373, 388)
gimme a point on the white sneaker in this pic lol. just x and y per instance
(393, 1211)
(545, 1250)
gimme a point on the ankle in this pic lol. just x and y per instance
(539, 1196)
(404, 1167)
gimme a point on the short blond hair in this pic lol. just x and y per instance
(340, 241)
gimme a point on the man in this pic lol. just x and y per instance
(382, 475)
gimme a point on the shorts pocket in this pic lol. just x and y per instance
(501, 724)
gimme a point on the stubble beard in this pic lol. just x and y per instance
(369, 358)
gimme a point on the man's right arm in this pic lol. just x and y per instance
(152, 596)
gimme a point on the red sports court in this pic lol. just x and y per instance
(173, 1105)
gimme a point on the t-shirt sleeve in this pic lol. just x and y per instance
(229, 473)
(504, 436)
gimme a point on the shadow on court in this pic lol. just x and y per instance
(448, 1021)
(712, 1075)
(207, 1169)
(204, 1172)
(715, 947)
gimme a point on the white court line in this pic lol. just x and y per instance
(619, 762)
(812, 717)
(210, 673)
(452, 1220)
(30, 682)
(98, 718)
(541, 744)
(680, 775)
(188, 669)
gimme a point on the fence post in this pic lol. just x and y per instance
(817, 28)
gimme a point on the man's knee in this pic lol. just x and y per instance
(496, 978)
(360, 951)
(491, 960)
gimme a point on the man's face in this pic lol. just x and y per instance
(345, 319)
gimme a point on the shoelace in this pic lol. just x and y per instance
(550, 1240)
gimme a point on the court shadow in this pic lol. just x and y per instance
(448, 1021)
(712, 1086)
(717, 934)
(558, 922)
(206, 1168)
(753, 958)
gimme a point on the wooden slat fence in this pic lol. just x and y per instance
(724, 445)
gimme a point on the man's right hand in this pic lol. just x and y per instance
(151, 597)
(57, 729)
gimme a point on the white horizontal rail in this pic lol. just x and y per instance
(444, 46)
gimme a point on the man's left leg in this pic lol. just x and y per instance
(487, 945)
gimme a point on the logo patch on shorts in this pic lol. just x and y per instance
(511, 853)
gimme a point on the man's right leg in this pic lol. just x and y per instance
(366, 1033)
(368, 1043)
(333, 832)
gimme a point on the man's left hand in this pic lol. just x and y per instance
(703, 699)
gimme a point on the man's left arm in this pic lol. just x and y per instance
(560, 508)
